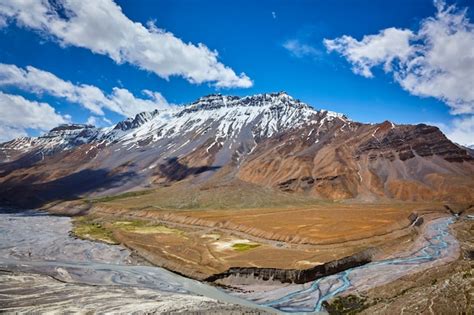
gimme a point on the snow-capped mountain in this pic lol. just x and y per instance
(220, 122)
(64, 137)
(225, 118)
(270, 140)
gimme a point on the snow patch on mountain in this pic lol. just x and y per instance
(229, 121)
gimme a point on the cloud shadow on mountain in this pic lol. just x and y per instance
(174, 170)
(69, 187)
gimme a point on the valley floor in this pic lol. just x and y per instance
(201, 243)
(25, 293)
(45, 270)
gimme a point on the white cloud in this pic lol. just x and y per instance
(435, 61)
(93, 120)
(8, 133)
(20, 114)
(98, 121)
(300, 50)
(101, 26)
(122, 99)
(373, 50)
(3, 21)
(461, 130)
(108, 122)
(90, 97)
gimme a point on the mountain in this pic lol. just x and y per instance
(270, 140)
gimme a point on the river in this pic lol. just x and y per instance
(32, 242)
(437, 246)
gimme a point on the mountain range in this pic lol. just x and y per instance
(268, 141)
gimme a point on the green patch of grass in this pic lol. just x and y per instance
(143, 227)
(95, 229)
(129, 224)
(85, 228)
(241, 247)
(350, 304)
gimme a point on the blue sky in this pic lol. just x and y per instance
(262, 46)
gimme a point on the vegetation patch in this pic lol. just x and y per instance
(143, 227)
(86, 228)
(241, 247)
(93, 229)
(349, 304)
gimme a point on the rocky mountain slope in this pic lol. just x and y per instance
(266, 140)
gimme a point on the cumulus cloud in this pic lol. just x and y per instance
(461, 130)
(437, 60)
(384, 48)
(300, 49)
(8, 133)
(3, 21)
(102, 27)
(98, 121)
(120, 101)
(19, 115)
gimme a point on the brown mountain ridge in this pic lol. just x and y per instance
(268, 142)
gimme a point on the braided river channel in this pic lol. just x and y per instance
(37, 243)
(436, 246)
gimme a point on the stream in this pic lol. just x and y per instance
(37, 243)
(33, 242)
(437, 246)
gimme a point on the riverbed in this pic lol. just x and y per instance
(435, 246)
(48, 270)
(39, 251)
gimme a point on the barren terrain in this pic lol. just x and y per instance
(201, 243)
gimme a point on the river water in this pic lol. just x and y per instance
(37, 243)
(34, 242)
(437, 246)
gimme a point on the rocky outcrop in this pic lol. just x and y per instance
(415, 220)
(408, 141)
(133, 123)
(296, 275)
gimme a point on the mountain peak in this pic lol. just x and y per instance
(65, 127)
(140, 119)
(218, 97)
(215, 101)
(269, 139)
(280, 95)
